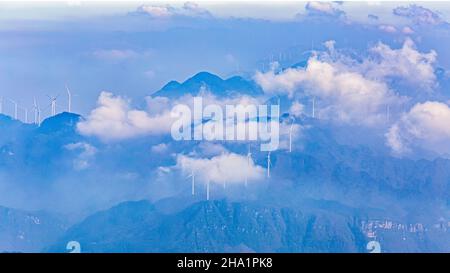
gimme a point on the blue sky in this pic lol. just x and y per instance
(134, 48)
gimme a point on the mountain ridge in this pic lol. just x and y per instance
(229, 87)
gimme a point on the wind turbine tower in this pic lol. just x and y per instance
(37, 112)
(1, 105)
(53, 104)
(192, 176)
(69, 96)
(290, 135)
(15, 108)
(268, 165)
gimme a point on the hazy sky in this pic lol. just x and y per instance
(274, 10)
(134, 48)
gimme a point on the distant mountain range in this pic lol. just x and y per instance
(230, 87)
(214, 226)
(315, 201)
(22, 231)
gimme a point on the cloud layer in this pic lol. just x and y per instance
(189, 9)
(225, 168)
(352, 90)
(406, 63)
(348, 96)
(419, 15)
(114, 119)
(323, 9)
(426, 127)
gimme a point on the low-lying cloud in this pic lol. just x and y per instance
(225, 168)
(425, 127)
(114, 119)
(351, 90)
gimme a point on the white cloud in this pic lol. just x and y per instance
(286, 82)
(351, 90)
(349, 96)
(157, 11)
(387, 28)
(419, 15)
(228, 167)
(323, 8)
(194, 10)
(156, 105)
(114, 119)
(211, 149)
(160, 148)
(297, 109)
(330, 45)
(426, 127)
(189, 9)
(406, 63)
(87, 152)
(407, 30)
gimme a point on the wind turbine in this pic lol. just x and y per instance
(290, 135)
(192, 175)
(1, 105)
(268, 165)
(37, 112)
(69, 96)
(15, 108)
(53, 104)
(314, 107)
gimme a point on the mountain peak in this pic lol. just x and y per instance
(59, 122)
(214, 84)
(205, 74)
(7, 119)
(206, 77)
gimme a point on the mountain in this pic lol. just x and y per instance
(52, 166)
(213, 226)
(12, 129)
(62, 122)
(222, 88)
(36, 149)
(28, 231)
